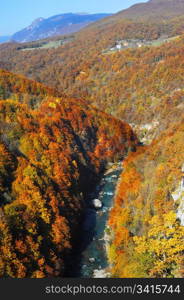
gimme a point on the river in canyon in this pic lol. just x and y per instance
(91, 260)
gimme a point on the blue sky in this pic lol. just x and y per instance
(17, 14)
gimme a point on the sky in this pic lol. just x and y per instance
(18, 14)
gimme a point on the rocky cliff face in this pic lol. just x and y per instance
(178, 197)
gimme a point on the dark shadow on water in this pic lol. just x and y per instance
(90, 244)
(86, 238)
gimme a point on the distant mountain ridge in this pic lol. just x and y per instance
(56, 25)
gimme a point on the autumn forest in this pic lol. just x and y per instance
(111, 93)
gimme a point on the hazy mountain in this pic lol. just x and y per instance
(56, 25)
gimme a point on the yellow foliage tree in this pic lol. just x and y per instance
(164, 242)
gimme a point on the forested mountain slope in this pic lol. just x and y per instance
(153, 10)
(50, 158)
(132, 69)
(147, 236)
(136, 84)
(23, 90)
(142, 86)
(61, 66)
